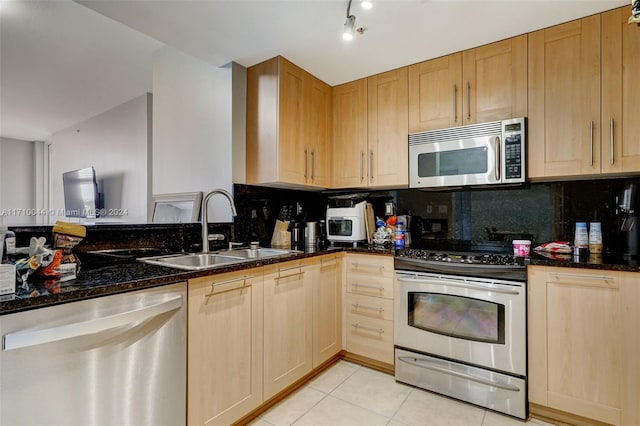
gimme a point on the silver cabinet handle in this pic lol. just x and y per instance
(426, 364)
(215, 286)
(313, 164)
(361, 166)
(371, 165)
(468, 101)
(367, 307)
(93, 326)
(373, 287)
(582, 277)
(591, 142)
(366, 265)
(280, 271)
(498, 158)
(455, 103)
(306, 163)
(611, 141)
(364, 327)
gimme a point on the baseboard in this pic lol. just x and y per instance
(560, 418)
(368, 362)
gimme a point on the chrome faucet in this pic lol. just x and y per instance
(205, 215)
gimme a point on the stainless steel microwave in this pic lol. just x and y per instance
(479, 154)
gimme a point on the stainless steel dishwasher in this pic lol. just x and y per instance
(113, 360)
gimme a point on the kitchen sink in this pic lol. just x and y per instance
(198, 261)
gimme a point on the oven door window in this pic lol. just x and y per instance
(468, 161)
(341, 227)
(457, 316)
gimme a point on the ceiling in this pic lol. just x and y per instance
(63, 62)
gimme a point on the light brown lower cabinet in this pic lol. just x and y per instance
(224, 370)
(288, 328)
(368, 311)
(584, 342)
(327, 308)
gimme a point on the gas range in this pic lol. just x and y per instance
(485, 265)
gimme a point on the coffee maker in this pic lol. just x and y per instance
(628, 212)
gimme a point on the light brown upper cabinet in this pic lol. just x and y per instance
(370, 133)
(483, 84)
(564, 99)
(288, 126)
(620, 93)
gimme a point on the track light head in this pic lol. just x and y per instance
(349, 28)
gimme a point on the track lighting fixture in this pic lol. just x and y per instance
(349, 25)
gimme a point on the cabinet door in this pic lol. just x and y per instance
(327, 308)
(495, 81)
(224, 347)
(349, 134)
(564, 99)
(575, 342)
(287, 326)
(620, 93)
(318, 132)
(293, 152)
(388, 132)
(630, 310)
(435, 94)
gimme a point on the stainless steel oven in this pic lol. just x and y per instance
(463, 335)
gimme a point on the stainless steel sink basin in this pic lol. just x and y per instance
(194, 261)
(258, 253)
(197, 261)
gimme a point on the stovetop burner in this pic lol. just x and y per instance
(462, 258)
(485, 265)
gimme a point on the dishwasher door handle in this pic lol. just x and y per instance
(25, 339)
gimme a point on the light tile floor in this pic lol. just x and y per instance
(351, 395)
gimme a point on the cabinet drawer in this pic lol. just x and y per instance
(370, 337)
(374, 265)
(372, 307)
(370, 285)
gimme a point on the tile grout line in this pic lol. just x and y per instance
(311, 408)
(400, 406)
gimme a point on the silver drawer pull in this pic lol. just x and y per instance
(367, 265)
(215, 286)
(371, 308)
(426, 364)
(373, 287)
(582, 277)
(364, 327)
(297, 274)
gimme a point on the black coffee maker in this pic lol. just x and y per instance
(628, 212)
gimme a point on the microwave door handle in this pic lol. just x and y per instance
(498, 158)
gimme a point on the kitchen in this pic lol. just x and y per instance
(558, 193)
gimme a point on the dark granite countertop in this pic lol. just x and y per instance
(135, 275)
(597, 262)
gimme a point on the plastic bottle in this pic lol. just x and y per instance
(595, 237)
(581, 240)
(398, 241)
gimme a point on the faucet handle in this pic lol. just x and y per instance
(254, 245)
(232, 245)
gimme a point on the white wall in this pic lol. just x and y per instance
(239, 126)
(116, 143)
(17, 181)
(192, 128)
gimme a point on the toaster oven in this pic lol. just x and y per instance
(346, 224)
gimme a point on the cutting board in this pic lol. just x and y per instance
(370, 222)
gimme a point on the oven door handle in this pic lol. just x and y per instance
(426, 365)
(463, 285)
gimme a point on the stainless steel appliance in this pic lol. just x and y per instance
(628, 210)
(114, 360)
(460, 327)
(479, 154)
(347, 224)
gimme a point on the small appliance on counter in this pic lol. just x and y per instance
(346, 220)
(628, 211)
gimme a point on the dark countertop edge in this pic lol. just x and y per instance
(81, 289)
(159, 276)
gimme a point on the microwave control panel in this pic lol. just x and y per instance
(514, 149)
